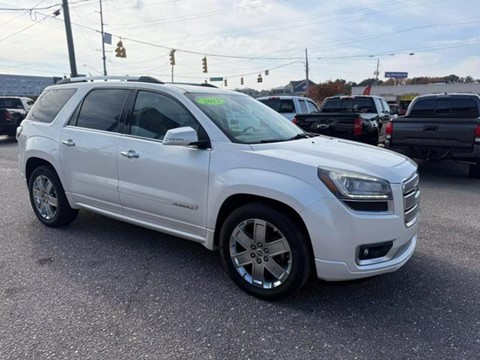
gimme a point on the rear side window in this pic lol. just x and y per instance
(49, 104)
(102, 109)
(303, 106)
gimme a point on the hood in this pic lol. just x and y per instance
(342, 154)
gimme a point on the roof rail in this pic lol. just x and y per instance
(147, 79)
(193, 84)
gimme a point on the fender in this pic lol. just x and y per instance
(287, 189)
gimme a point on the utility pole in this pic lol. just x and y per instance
(172, 72)
(376, 73)
(103, 41)
(307, 81)
(68, 31)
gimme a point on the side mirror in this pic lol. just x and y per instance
(182, 136)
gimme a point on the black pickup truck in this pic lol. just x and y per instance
(13, 110)
(360, 118)
(438, 127)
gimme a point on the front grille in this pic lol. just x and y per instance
(411, 199)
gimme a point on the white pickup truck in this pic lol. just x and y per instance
(220, 168)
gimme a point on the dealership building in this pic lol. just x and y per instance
(396, 94)
(23, 85)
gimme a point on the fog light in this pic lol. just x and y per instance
(374, 251)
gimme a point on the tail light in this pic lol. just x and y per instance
(389, 130)
(357, 127)
(477, 133)
(7, 116)
(294, 120)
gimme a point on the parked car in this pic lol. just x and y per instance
(276, 202)
(288, 106)
(439, 127)
(13, 110)
(359, 118)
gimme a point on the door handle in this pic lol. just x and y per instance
(68, 142)
(131, 154)
(430, 127)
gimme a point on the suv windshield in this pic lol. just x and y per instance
(244, 119)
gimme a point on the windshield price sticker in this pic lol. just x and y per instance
(210, 101)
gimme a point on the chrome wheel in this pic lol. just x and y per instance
(260, 253)
(45, 197)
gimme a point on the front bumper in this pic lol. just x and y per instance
(338, 232)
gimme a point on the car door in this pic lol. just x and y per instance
(162, 184)
(88, 149)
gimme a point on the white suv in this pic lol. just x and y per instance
(220, 168)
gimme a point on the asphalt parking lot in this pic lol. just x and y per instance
(103, 289)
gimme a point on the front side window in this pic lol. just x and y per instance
(244, 120)
(303, 106)
(102, 109)
(49, 104)
(154, 114)
(312, 107)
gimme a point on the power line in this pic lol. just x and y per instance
(41, 8)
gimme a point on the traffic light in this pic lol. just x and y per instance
(241, 80)
(224, 82)
(120, 50)
(172, 57)
(259, 78)
(205, 66)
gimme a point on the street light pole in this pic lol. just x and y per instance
(103, 41)
(68, 31)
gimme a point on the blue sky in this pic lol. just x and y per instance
(345, 39)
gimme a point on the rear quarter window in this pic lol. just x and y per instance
(49, 104)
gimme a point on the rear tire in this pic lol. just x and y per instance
(48, 199)
(475, 170)
(265, 252)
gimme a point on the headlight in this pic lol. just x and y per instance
(348, 185)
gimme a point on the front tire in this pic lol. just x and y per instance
(266, 253)
(48, 199)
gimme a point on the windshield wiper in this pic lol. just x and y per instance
(299, 136)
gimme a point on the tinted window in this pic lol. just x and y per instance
(154, 114)
(423, 108)
(10, 103)
(443, 107)
(358, 104)
(280, 105)
(101, 110)
(464, 108)
(49, 104)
